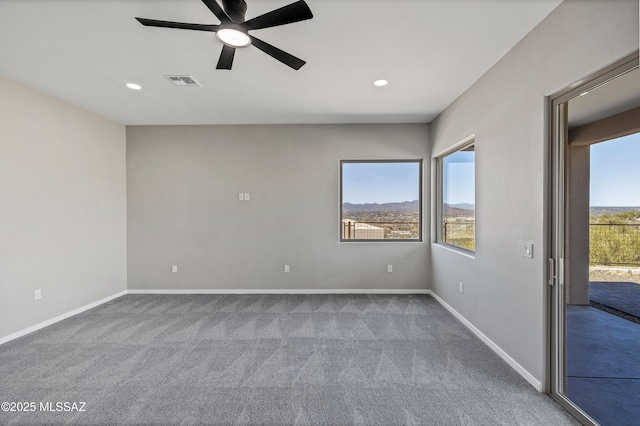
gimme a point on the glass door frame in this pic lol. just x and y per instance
(557, 159)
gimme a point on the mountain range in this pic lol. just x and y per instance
(459, 210)
(598, 210)
(405, 206)
(461, 206)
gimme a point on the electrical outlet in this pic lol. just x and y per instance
(174, 268)
(389, 268)
(240, 196)
(461, 287)
(286, 268)
(37, 294)
(246, 196)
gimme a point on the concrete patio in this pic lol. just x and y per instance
(603, 354)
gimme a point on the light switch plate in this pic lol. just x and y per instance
(527, 250)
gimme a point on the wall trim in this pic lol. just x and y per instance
(280, 291)
(494, 347)
(43, 324)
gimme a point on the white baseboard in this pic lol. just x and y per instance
(280, 291)
(25, 331)
(494, 347)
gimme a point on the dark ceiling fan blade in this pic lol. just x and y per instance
(217, 10)
(179, 25)
(226, 58)
(278, 54)
(295, 12)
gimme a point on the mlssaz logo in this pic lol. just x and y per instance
(63, 406)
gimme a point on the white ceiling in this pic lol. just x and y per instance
(431, 51)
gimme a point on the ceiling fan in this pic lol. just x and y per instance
(233, 30)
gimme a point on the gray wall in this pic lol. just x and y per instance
(183, 209)
(62, 207)
(505, 293)
(578, 165)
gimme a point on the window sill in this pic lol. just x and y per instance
(463, 252)
(378, 241)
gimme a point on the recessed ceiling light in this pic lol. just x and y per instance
(134, 86)
(380, 83)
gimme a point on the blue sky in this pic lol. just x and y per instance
(459, 178)
(615, 172)
(615, 177)
(380, 182)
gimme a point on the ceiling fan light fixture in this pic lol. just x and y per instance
(233, 30)
(233, 36)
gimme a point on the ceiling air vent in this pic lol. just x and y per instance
(183, 80)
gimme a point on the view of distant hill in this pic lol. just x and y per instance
(462, 209)
(463, 206)
(405, 206)
(598, 210)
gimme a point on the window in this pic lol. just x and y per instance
(457, 198)
(380, 200)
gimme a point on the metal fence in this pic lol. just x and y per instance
(461, 234)
(356, 230)
(614, 244)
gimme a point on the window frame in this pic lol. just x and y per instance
(420, 163)
(439, 198)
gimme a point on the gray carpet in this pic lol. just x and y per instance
(267, 359)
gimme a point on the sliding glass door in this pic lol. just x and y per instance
(595, 335)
